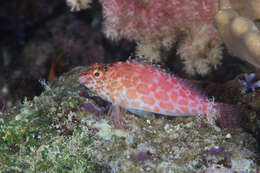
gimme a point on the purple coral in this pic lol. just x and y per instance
(141, 156)
(78, 40)
(249, 83)
(216, 150)
(89, 107)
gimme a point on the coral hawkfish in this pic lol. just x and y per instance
(141, 87)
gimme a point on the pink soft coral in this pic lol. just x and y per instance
(153, 19)
(157, 24)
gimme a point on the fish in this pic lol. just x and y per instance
(144, 89)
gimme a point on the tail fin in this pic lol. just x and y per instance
(228, 115)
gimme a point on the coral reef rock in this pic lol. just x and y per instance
(182, 144)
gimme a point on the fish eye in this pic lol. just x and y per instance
(97, 74)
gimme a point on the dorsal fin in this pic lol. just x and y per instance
(146, 61)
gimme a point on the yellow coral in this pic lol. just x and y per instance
(235, 23)
(199, 52)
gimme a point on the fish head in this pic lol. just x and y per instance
(94, 78)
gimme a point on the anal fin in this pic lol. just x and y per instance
(142, 113)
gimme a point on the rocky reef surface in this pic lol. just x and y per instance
(67, 129)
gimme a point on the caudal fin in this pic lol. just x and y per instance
(228, 116)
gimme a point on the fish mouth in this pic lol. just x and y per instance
(82, 79)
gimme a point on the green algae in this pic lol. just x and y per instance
(106, 131)
(31, 138)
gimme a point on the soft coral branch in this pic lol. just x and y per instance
(157, 24)
(155, 19)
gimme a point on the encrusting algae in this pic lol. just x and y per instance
(142, 88)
